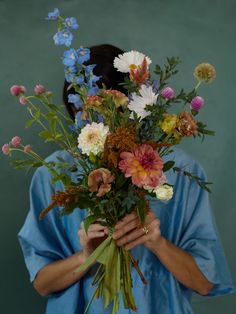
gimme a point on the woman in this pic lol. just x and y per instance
(179, 252)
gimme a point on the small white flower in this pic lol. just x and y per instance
(164, 192)
(92, 138)
(139, 102)
(129, 61)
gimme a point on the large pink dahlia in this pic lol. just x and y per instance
(143, 165)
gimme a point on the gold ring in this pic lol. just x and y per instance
(145, 230)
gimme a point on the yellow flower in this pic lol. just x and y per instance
(169, 123)
(204, 72)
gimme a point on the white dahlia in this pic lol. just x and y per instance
(130, 61)
(92, 138)
(139, 102)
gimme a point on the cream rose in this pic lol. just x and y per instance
(164, 192)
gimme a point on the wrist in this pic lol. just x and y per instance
(159, 245)
(81, 257)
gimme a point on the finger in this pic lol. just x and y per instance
(150, 217)
(137, 233)
(126, 219)
(96, 227)
(154, 225)
(96, 234)
(136, 242)
(91, 234)
(126, 228)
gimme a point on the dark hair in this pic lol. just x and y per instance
(103, 56)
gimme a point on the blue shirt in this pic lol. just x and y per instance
(186, 221)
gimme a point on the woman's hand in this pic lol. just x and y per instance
(130, 233)
(90, 241)
(180, 263)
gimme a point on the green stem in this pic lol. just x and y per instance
(91, 299)
(38, 120)
(135, 264)
(198, 84)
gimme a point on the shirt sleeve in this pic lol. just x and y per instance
(42, 241)
(201, 238)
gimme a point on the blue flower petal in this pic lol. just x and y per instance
(76, 100)
(63, 37)
(71, 23)
(53, 15)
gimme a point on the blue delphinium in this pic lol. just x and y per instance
(89, 69)
(70, 57)
(63, 37)
(81, 77)
(93, 90)
(53, 15)
(83, 55)
(79, 123)
(75, 99)
(71, 22)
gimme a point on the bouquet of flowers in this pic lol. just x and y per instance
(117, 142)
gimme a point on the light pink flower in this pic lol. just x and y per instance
(39, 89)
(143, 165)
(15, 141)
(22, 100)
(17, 90)
(28, 148)
(6, 149)
(99, 180)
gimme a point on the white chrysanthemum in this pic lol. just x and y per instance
(92, 138)
(164, 192)
(129, 61)
(139, 102)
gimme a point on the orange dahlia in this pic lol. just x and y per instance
(143, 165)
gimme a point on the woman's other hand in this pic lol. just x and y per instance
(130, 233)
(90, 241)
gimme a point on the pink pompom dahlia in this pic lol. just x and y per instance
(28, 148)
(39, 89)
(15, 141)
(6, 149)
(17, 90)
(22, 100)
(143, 165)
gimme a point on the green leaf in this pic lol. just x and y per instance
(141, 210)
(53, 107)
(58, 136)
(46, 134)
(20, 164)
(37, 114)
(168, 165)
(95, 255)
(29, 123)
(89, 220)
(112, 273)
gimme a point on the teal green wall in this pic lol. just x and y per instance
(197, 31)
